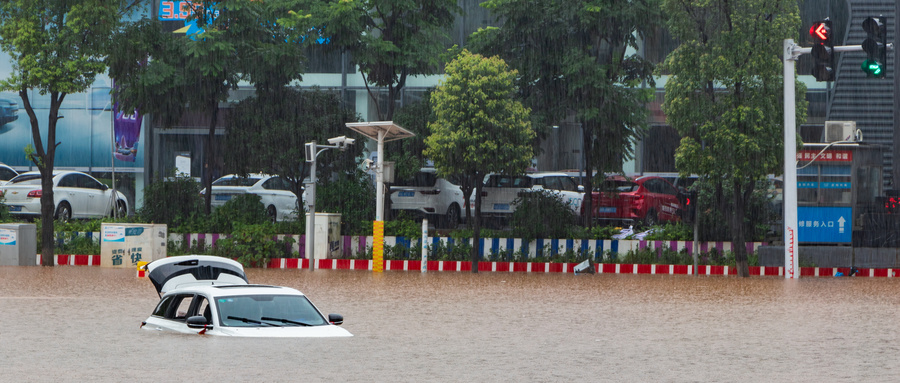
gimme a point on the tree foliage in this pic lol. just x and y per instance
(267, 133)
(479, 127)
(166, 74)
(724, 94)
(57, 48)
(389, 40)
(577, 61)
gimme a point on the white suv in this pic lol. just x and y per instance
(500, 191)
(427, 195)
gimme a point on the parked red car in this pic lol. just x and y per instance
(646, 201)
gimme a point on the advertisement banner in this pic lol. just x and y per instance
(127, 129)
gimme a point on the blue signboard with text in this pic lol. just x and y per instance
(824, 224)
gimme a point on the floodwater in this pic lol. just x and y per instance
(81, 323)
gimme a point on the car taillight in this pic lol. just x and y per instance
(35, 194)
(431, 192)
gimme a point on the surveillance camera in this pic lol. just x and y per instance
(368, 163)
(337, 140)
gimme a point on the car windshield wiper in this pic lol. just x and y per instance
(286, 321)
(248, 320)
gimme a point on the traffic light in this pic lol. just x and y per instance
(822, 50)
(875, 46)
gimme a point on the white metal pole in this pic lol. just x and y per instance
(311, 208)
(379, 178)
(791, 250)
(425, 245)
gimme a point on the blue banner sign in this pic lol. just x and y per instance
(825, 224)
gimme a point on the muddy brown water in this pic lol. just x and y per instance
(80, 323)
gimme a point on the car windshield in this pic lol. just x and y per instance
(268, 310)
(236, 181)
(27, 179)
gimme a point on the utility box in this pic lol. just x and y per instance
(124, 245)
(327, 234)
(18, 244)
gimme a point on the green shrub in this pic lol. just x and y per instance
(253, 245)
(242, 209)
(541, 214)
(353, 196)
(176, 202)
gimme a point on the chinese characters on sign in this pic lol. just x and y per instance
(831, 155)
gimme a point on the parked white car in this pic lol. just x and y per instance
(500, 191)
(6, 173)
(202, 294)
(274, 192)
(75, 195)
(427, 195)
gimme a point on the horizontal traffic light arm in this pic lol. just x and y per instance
(798, 50)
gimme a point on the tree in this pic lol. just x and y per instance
(574, 62)
(479, 128)
(57, 48)
(238, 40)
(389, 40)
(267, 133)
(724, 96)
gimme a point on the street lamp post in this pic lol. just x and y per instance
(312, 151)
(381, 132)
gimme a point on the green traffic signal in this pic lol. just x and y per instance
(872, 68)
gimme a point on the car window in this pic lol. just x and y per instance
(7, 174)
(69, 181)
(566, 183)
(236, 181)
(420, 179)
(277, 183)
(182, 307)
(163, 307)
(88, 182)
(621, 186)
(27, 179)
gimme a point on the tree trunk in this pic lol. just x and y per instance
(44, 159)
(738, 238)
(476, 236)
(210, 158)
(587, 206)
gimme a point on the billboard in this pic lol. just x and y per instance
(84, 133)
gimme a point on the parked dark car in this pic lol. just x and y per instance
(646, 201)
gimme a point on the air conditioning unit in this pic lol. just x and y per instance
(840, 131)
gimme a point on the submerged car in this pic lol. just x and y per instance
(203, 294)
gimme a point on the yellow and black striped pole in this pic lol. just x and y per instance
(378, 246)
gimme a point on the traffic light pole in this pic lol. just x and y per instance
(791, 249)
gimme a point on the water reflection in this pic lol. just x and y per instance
(81, 323)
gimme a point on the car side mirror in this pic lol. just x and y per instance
(581, 188)
(198, 321)
(336, 319)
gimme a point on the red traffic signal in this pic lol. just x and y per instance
(820, 32)
(822, 50)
